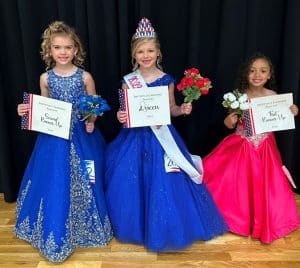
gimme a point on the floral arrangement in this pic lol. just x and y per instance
(92, 105)
(193, 85)
(236, 102)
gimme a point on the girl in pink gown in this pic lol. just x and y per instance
(245, 174)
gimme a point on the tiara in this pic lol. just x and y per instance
(144, 29)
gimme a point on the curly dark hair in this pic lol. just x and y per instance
(242, 81)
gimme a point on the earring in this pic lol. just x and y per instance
(158, 62)
(134, 64)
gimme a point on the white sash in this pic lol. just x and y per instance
(165, 138)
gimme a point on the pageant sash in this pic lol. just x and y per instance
(165, 138)
(170, 165)
(135, 80)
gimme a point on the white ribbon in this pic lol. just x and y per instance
(165, 138)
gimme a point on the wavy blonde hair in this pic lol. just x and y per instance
(136, 42)
(60, 28)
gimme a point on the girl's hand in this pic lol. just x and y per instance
(231, 120)
(22, 109)
(186, 108)
(122, 117)
(89, 126)
(294, 109)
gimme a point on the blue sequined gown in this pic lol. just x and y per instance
(58, 208)
(147, 206)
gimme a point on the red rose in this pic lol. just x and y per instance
(189, 81)
(180, 87)
(206, 80)
(192, 72)
(204, 91)
(200, 83)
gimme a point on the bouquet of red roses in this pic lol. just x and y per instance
(193, 85)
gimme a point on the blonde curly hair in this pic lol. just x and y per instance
(60, 28)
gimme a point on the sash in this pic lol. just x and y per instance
(165, 138)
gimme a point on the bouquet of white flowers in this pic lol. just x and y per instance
(236, 102)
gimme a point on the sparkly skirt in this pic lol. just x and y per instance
(59, 208)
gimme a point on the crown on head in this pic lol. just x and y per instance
(144, 29)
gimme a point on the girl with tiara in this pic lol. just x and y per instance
(148, 203)
(244, 173)
(59, 208)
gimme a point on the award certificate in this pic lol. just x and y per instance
(47, 115)
(146, 106)
(272, 113)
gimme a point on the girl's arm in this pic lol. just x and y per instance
(44, 85)
(90, 90)
(23, 108)
(184, 108)
(231, 120)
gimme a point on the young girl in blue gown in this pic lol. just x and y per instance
(164, 211)
(58, 207)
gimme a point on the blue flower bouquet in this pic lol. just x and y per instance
(92, 105)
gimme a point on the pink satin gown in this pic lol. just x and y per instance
(247, 181)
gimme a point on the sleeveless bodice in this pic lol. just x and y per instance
(241, 130)
(67, 89)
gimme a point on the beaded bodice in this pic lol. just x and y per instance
(254, 139)
(67, 88)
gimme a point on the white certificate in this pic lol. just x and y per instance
(147, 106)
(272, 113)
(47, 115)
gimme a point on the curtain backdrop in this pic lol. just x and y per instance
(212, 35)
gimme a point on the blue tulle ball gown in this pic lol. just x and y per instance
(147, 206)
(59, 208)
